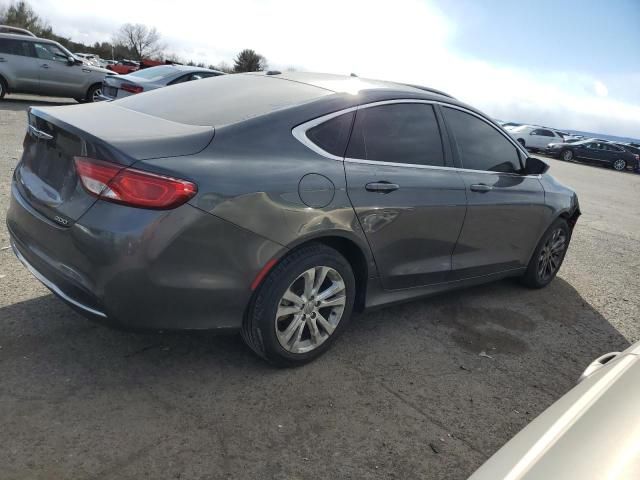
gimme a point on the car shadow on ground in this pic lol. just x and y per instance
(466, 370)
(18, 104)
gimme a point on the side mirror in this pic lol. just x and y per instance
(71, 61)
(535, 166)
(196, 77)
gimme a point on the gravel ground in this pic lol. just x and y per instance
(403, 394)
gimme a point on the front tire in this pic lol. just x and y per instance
(301, 307)
(93, 95)
(548, 255)
(3, 88)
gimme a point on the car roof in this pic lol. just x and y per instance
(187, 68)
(351, 83)
(25, 37)
(252, 95)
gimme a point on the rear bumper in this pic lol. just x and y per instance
(143, 269)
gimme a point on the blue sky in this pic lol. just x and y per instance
(565, 63)
(601, 38)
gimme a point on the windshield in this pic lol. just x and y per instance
(155, 73)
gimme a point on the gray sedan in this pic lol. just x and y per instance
(274, 204)
(591, 433)
(120, 86)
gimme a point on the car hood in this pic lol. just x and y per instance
(93, 68)
(593, 432)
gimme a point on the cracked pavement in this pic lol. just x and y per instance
(403, 394)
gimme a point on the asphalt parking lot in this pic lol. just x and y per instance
(403, 394)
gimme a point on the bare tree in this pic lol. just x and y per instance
(141, 40)
(222, 67)
(249, 61)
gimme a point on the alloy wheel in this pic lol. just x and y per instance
(310, 309)
(619, 164)
(551, 254)
(568, 155)
(96, 95)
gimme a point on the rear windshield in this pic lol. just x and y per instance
(222, 100)
(154, 73)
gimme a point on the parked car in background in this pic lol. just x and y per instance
(591, 433)
(120, 86)
(43, 67)
(633, 149)
(92, 59)
(599, 151)
(307, 202)
(123, 67)
(510, 124)
(535, 138)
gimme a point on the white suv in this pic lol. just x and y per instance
(535, 138)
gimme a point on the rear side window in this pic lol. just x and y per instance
(10, 46)
(480, 146)
(397, 133)
(332, 136)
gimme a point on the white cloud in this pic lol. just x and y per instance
(404, 40)
(600, 89)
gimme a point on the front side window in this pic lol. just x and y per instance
(332, 136)
(480, 146)
(48, 51)
(546, 133)
(397, 133)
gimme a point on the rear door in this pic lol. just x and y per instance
(19, 66)
(57, 77)
(409, 202)
(506, 210)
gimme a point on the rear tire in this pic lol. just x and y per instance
(620, 165)
(283, 323)
(548, 256)
(566, 155)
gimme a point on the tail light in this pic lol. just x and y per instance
(131, 88)
(115, 183)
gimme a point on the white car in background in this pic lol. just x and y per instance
(533, 137)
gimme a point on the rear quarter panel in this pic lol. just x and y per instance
(251, 175)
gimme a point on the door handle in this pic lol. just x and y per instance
(44, 65)
(381, 187)
(481, 188)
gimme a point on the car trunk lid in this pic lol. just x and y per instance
(47, 178)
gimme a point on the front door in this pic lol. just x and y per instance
(506, 209)
(57, 77)
(410, 205)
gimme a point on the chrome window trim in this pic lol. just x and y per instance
(52, 286)
(300, 133)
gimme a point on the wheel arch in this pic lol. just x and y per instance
(352, 249)
(88, 90)
(570, 217)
